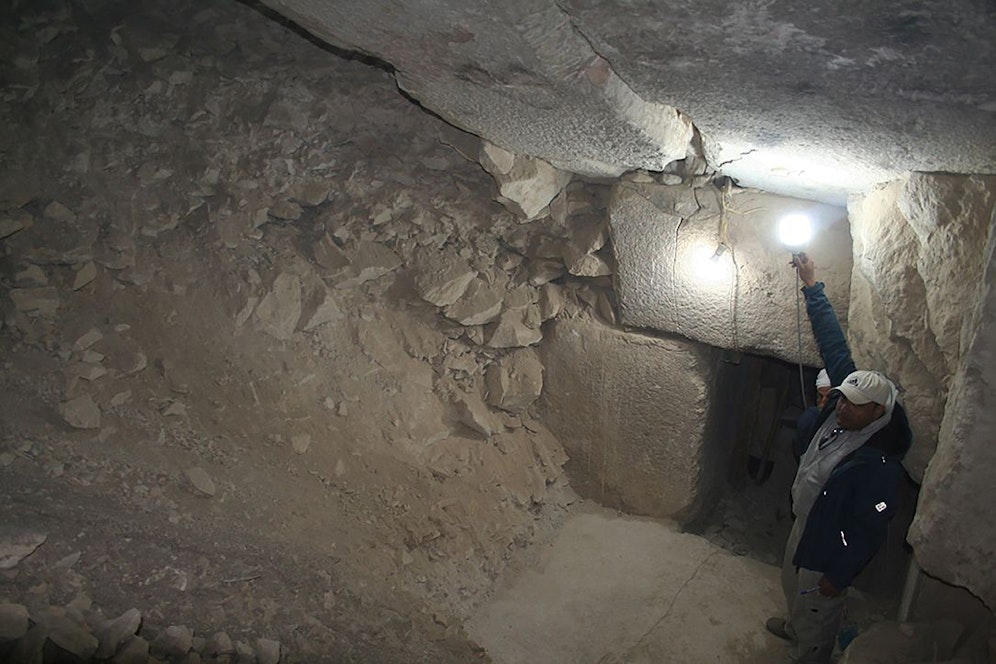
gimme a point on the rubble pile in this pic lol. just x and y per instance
(260, 310)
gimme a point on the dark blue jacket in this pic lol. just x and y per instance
(848, 521)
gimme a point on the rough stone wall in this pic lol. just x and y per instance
(264, 330)
(953, 535)
(515, 72)
(922, 312)
(632, 412)
(918, 262)
(664, 238)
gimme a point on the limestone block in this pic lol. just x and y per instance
(474, 413)
(36, 301)
(515, 381)
(905, 642)
(328, 254)
(516, 328)
(745, 298)
(368, 261)
(81, 412)
(66, 629)
(526, 184)
(86, 274)
(919, 257)
(953, 535)
(320, 307)
(31, 277)
(632, 412)
(13, 622)
(280, 309)
(16, 547)
(174, 642)
(481, 303)
(441, 278)
(114, 633)
(13, 221)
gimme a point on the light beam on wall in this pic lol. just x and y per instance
(795, 230)
(709, 264)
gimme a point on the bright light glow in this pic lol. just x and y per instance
(795, 230)
(708, 267)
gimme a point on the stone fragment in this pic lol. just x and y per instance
(300, 443)
(200, 481)
(31, 277)
(480, 304)
(81, 412)
(516, 328)
(280, 309)
(219, 644)
(551, 301)
(67, 630)
(267, 651)
(86, 274)
(369, 261)
(174, 642)
(244, 653)
(887, 642)
(321, 308)
(13, 622)
(56, 211)
(36, 301)
(473, 412)
(328, 254)
(544, 270)
(124, 355)
(586, 265)
(441, 278)
(15, 548)
(526, 184)
(92, 336)
(515, 381)
(113, 633)
(134, 651)
(311, 192)
(14, 221)
(285, 210)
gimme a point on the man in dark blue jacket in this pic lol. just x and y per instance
(845, 490)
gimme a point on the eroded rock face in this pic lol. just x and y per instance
(803, 100)
(632, 413)
(952, 534)
(918, 262)
(665, 238)
(922, 311)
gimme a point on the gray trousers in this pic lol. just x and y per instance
(813, 620)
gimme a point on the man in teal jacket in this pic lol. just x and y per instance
(845, 490)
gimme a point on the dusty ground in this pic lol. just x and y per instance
(163, 169)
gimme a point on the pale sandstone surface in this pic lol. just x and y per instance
(664, 238)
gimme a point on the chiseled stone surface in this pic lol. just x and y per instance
(801, 99)
(919, 256)
(664, 237)
(632, 412)
(952, 535)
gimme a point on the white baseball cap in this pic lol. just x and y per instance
(861, 387)
(823, 379)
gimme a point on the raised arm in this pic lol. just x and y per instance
(830, 338)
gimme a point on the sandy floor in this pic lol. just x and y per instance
(612, 589)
